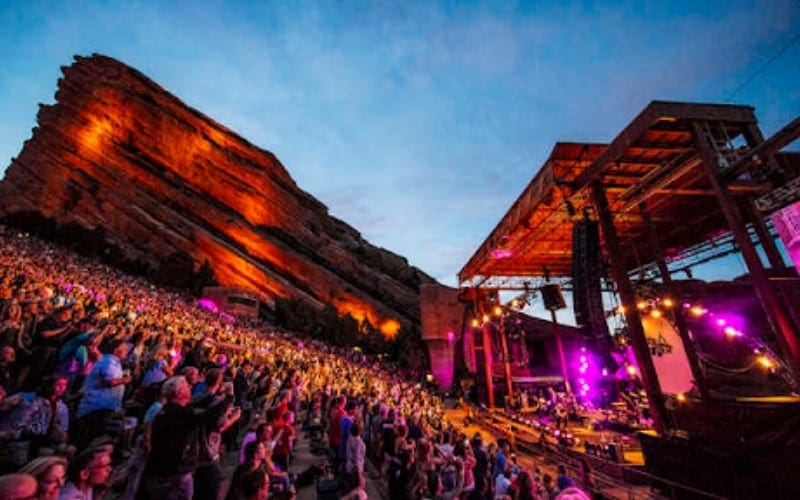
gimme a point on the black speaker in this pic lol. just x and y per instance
(587, 296)
(553, 298)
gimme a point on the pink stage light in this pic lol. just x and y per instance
(208, 304)
(588, 371)
(501, 253)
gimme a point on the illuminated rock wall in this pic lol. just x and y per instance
(119, 152)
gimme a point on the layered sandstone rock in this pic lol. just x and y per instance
(118, 152)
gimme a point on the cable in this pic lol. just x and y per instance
(763, 66)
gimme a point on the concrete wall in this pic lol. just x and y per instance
(442, 315)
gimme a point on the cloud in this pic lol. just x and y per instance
(418, 123)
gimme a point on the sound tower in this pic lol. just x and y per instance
(587, 295)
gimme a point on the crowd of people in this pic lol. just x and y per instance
(111, 387)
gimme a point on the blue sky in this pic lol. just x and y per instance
(418, 123)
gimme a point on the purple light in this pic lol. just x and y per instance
(451, 336)
(732, 332)
(501, 253)
(208, 305)
(588, 371)
(721, 322)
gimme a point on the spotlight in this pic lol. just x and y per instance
(631, 370)
(475, 323)
(766, 362)
(697, 311)
(641, 305)
(498, 310)
(681, 397)
(655, 313)
(667, 302)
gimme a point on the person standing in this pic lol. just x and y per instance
(356, 452)
(175, 444)
(221, 415)
(563, 481)
(104, 389)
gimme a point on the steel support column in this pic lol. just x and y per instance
(487, 362)
(506, 360)
(767, 243)
(628, 297)
(669, 290)
(754, 138)
(560, 346)
(779, 321)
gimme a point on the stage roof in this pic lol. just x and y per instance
(654, 160)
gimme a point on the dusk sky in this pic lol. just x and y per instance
(418, 123)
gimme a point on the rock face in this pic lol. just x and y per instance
(120, 153)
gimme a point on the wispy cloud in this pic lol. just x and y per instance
(417, 122)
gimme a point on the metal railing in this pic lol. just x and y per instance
(645, 485)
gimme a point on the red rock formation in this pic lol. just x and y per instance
(119, 152)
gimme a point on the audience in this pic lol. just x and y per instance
(133, 389)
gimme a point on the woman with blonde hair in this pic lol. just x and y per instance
(49, 473)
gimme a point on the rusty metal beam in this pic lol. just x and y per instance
(677, 312)
(628, 298)
(665, 112)
(777, 142)
(540, 187)
(668, 179)
(781, 323)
